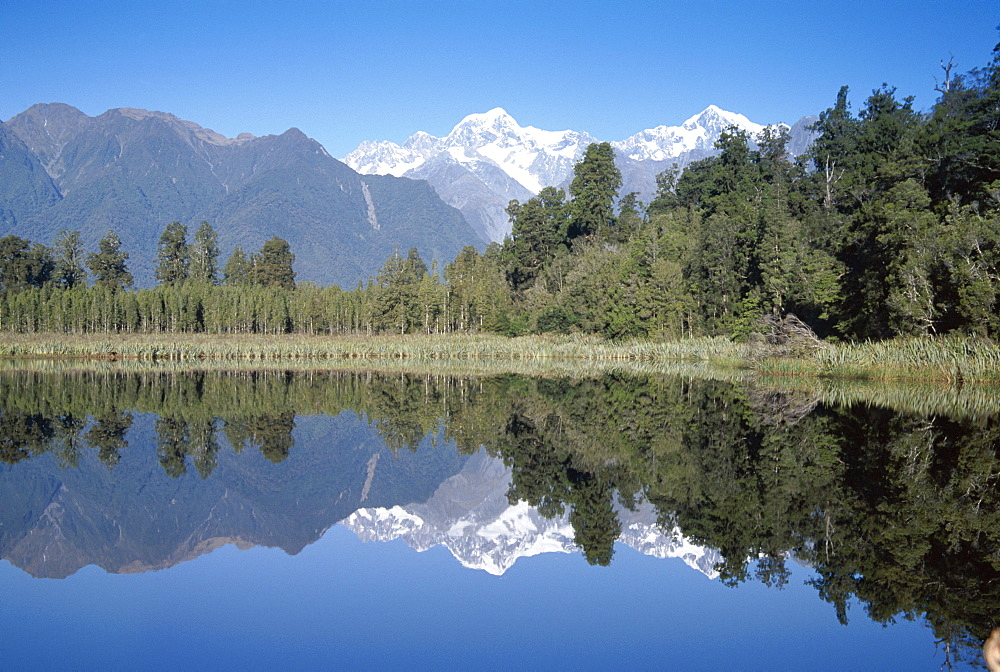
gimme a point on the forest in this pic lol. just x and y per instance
(888, 226)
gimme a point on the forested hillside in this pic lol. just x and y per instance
(135, 171)
(889, 225)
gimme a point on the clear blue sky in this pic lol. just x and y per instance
(344, 72)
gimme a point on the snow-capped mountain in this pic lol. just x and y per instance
(470, 515)
(532, 157)
(488, 159)
(697, 133)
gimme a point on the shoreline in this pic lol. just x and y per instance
(953, 360)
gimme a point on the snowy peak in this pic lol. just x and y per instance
(488, 158)
(381, 157)
(716, 119)
(698, 133)
(421, 142)
(486, 127)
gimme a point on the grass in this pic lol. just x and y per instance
(952, 360)
(181, 347)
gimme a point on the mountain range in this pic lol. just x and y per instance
(135, 171)
(489, 159)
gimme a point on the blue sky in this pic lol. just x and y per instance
(344, 72)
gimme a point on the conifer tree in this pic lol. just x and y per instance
(596, 180)
(272, 266)
(24, 264)
(237, 270)
(205, 255)
(108, 265)
(173, 257)
(69, 270)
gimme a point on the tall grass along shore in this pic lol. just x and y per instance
(956, 360)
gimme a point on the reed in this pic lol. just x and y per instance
(185, 347)
(951, 359)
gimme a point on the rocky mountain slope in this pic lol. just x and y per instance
(135, 171)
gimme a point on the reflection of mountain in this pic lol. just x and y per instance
(55, 520)
(470, 515)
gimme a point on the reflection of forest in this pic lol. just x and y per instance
(898, 510)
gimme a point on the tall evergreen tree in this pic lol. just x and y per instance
(69, 258)
(16, 270)
(173, 257)
(108, 265)
(596, 180)
(238, 269)
(538, 227)
(273, 264)
(205, 255)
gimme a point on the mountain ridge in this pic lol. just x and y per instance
(135, 171)
(469, 159)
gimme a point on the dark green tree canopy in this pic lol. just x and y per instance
(595, 185)
(173, 258)
(23, 263)
(108, 264)
(273, 264)
(539, 227)
(238, 269)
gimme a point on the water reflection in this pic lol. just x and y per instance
(898, 508)
(472, 516)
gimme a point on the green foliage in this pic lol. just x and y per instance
(24, 264)
(556, 320)
(69, 258)
(205, 254)
(538, 228)
(894, 232)
(238, 269)
(272, 266)
(108, 264)
(596, 180)
(173, 258)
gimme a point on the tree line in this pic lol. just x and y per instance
(889, 225)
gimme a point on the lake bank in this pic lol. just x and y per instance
(952, 360)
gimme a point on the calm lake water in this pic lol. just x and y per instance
(317, 520)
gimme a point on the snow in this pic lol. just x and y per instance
(697, 132)
(534, 157)
(483, 143)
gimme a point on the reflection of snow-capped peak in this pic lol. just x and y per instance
(641, 531)
(469, 515)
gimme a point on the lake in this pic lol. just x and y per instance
(253, 519)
